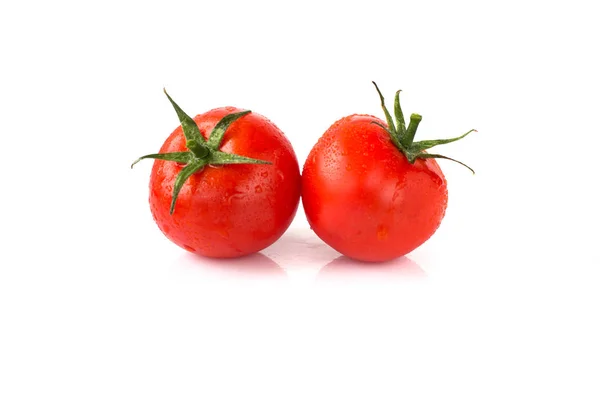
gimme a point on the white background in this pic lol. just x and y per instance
(502, 302)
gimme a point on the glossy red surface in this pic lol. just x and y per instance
(229, 210)
(363, 197)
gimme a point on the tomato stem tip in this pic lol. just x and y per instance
(403, 137)
(200, 152)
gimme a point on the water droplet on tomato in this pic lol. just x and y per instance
(264, 174)
(258, 189)
(237, 195)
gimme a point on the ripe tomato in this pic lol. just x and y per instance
(226, 196)
(369, 191)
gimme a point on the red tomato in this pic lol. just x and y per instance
(234, 209)
(368, 195)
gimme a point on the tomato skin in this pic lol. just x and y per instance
(235, 209)
(362, 196)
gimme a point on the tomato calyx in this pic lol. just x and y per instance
(201, 152)
(403, 136)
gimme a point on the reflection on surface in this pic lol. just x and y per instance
(253, 265)
(347, 268)
(301, 249)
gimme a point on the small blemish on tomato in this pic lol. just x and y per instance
(382, 232)
(264, 174)
(189, 248)
(258, 189)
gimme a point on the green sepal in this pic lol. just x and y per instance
(388, 117)
(194, 139)
(182, 157)
(403, 137)
(399, 116)
(220, 158)
(216, 136)
(182, 177)
(427, 144)
(427, 155)
(201, 153)
(392, 136)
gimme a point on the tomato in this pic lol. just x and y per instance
(224, 197)
(370, 191)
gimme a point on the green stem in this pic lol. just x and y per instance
(403, 138)
(415, 120)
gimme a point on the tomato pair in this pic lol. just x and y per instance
(227, 183)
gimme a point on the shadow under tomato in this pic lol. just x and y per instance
(254, 265)
(344, 268)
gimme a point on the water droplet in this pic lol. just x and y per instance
(264, 174)
(258, 189)
(235, 196)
